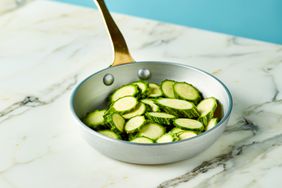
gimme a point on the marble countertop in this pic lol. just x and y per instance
(46, 48)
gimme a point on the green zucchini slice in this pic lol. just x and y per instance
(168, 137)
(212, 123)
(167, 88)
(116, 121)
(151, 105)
(152, 131)
(155, 90)
(127, 90)
(186, 134)
(142, 140)
(207, 108)
(178, 107)
(160, 117)
(110, 134)
(138, 111)
(143, 87)
(125, 104)
(190, 124)
(186, 91)
(176, 130)
(95, 119)
(134, 124)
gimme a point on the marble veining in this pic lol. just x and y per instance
(46, 48)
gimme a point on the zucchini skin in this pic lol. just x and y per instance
(188, 113)
(98, 125)
(109, 120)
(142, 93)
(159, 120)
(205, 118)
(150, 107)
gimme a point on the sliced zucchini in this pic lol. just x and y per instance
(190, 124)
(143, 140)
(127, 90)
(183, 90)
(151, 105)
(168, 137)
(125, 104)
(116, 121)
(138, 111)
(160, 117)
(95, 119)
(152, 131)
(167, 88)
(207, 108)
(155, 90)
(176, 130)
(110, 134)
(143, 87)
(186, 134)
(178, 107)
(212, 123)
(134, 124)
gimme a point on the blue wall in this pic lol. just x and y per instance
(257, 19)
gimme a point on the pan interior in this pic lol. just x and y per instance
(92, 93)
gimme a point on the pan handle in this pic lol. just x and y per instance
(121, 52)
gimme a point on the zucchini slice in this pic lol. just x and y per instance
(176, 130)
(138, 111)
(212, 123)
(151, 105)
(143, 87)
(167, 88)
(168, 137)
(127, 90)
(160, 117)
(155, 90)
(186, 134)
(183, 90)
(207, 108)
(178, 107)
(143, 140)
(95, 119)
(134, 124)
(189, 124)
(116, 121)
(110, 134)
(152, 131)
(125, 104)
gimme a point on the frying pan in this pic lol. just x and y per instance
(92, 92)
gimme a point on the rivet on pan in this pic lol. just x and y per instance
(108, 79)
(144, 74)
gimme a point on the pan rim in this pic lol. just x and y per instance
(93, 132)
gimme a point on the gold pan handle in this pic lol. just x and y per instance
(121, 52)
